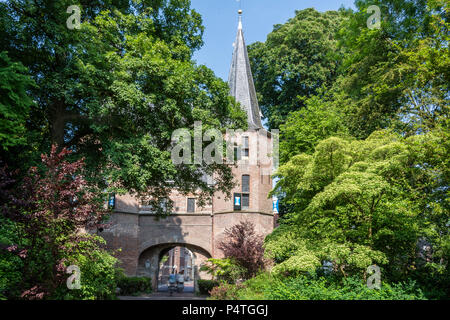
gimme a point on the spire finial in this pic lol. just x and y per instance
(240, 19)
(240, 80)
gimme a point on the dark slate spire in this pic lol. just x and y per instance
(240, 80)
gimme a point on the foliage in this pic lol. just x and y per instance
(303, 288)
(99, 275)
(302, 261)
(256, 288)
(297, 58)
(245, 247)
(14, 102)
(134, 285)
(227, 270)
(46, 215)
(305, 128)
(396, 75)
(116, 89)
(359, 203)
(205, 286)
(268, 287)
(356, 195)
(10, 263)
(224, 291)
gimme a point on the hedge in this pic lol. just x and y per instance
(268, 287)
(134, 285)
(205, 286)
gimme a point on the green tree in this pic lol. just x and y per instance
(396, 72)
(14, 102)
(45, 228)
(115, 90)
(304, 129)
(360, 202)
(297, 58)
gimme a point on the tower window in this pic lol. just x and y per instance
(245, 191)
(191, 205)
(237, 152)
(245, 200)
(245, 183)
(246, 149)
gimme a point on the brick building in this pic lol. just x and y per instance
(144, 240)
(177, 259)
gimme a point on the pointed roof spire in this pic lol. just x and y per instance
(240, 80)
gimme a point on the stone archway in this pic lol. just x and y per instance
(149, 261)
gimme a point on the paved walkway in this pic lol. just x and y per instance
(188, 287)
(164, 296)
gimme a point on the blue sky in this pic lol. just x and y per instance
(259, 16)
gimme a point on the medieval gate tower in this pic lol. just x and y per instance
(143, 239)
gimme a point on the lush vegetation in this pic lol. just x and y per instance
(268, 287)
(205, 286)
(112, 91)
(364, 123)
(295, 61)
(89, 111)
(364, 149)
(41, 233)
(243, 251)
(134, 285)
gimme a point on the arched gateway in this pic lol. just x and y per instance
(142, 238)
(150, 263)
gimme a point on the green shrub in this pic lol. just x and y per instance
(10, 275)
(307, 288)
(268, 287)
(205, 286)
(10, 264)
(134, 285)
(225, 291)
(256, 288)
(227, 270)
(98, 278)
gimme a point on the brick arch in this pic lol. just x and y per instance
(153, 243)
(153, 255)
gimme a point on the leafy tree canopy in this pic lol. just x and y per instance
(360, 202)
(14, 102)
(297, 58)
(114, 90)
